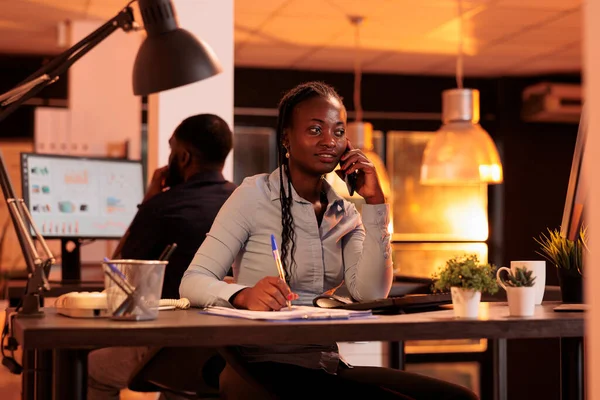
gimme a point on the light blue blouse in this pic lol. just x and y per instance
(344, 248)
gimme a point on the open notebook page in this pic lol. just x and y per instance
(296, 313)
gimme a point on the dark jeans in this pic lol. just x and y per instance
(292, 382)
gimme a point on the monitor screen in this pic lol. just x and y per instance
(577, 191)
(80, 197)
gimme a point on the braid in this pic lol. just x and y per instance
(288, 233)
(287, 104)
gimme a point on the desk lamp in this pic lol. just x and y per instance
(169, 57)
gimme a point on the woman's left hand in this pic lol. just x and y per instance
(367, 182)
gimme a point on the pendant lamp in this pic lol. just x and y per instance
(461, 151)
(360, 134)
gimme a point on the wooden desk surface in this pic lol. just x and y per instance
(192, 328)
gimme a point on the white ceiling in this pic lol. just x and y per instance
(501, 37)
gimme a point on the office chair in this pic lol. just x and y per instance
(187, 372)
(236, 383)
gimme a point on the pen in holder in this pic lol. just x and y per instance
(133, 294)
(133, 288)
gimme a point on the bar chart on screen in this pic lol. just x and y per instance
(79, 196)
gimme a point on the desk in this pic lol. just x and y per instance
(65, 335)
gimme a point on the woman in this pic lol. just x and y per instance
(324, 242)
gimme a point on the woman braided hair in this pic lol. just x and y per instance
(287, 104)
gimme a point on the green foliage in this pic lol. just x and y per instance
(466, 272)
(562, 252)
(521, 278)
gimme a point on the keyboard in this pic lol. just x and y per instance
(409, 303)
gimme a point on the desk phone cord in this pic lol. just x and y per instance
(182, 304)
(9, 361)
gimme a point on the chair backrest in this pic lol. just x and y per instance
(179, 370)
(236, 382)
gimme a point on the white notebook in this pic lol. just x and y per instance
(296, 313)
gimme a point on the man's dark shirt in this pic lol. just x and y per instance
(182, 215)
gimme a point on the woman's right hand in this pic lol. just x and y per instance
(269, 294)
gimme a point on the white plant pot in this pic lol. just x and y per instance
(465, 302)
(521, 301)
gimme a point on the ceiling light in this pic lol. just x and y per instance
(461, 151)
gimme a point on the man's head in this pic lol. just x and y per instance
(201, 142)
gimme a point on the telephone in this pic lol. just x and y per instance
(82, 304)
(94, 304)
(350, 179)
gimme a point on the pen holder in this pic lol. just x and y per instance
(133, 288)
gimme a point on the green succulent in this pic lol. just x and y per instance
(521, 278)
(468, 273)
(562, 252)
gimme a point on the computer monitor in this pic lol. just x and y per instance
(577, 191)
(73, 198)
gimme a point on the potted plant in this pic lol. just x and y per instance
(519, 291)
(568, 257)
(466, 278)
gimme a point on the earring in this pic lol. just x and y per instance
(287, 154)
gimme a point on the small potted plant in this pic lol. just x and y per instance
(568, 257)
(519, 291)
(466, 278)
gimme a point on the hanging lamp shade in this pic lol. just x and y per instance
(170, 56)
(461, 152)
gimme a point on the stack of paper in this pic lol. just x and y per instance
(285, 314)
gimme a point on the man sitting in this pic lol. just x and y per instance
(179, 207)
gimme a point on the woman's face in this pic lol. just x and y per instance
(316, 138)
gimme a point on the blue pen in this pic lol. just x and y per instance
(114, 269)
(132, 293)
(279, 264)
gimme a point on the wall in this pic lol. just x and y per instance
(212, 22)
(102, 105)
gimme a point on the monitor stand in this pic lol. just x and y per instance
(71, 260)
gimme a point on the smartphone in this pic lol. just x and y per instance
(350, 179)
(351, 182)
(168, 179)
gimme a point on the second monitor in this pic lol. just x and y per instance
(73, 198)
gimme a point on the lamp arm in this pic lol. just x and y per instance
(56, 66)
(8, 192)
(20, 95)
(21, 219)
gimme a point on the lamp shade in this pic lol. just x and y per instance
(461, 151)
(170, 56)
